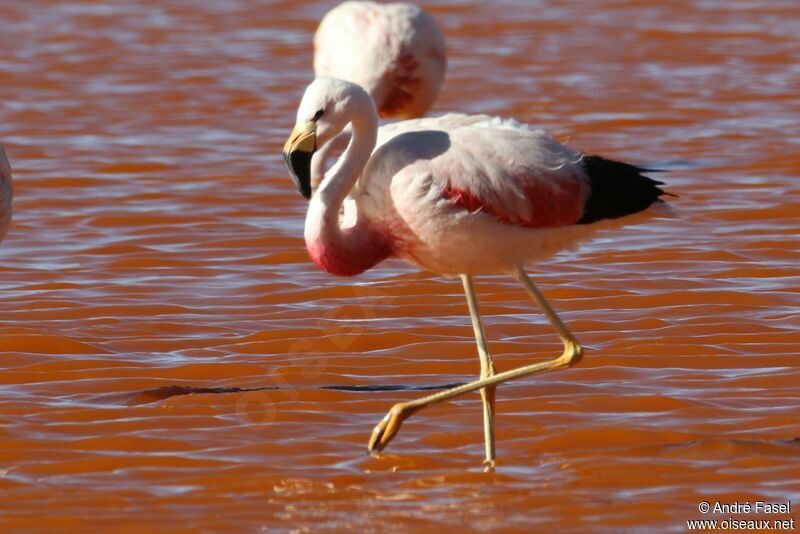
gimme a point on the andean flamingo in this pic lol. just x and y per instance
(457, 195)
(395, 51)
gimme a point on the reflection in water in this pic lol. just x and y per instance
(156, 249)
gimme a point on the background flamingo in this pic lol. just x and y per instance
(6, 193)
(457, 195)
(395, 51)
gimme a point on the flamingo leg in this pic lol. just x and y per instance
(487, 370)
(573, 352)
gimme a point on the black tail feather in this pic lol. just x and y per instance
(618, 189)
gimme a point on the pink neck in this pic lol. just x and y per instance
(351, 251)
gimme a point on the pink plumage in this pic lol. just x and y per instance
(395, 51)
(456, 195)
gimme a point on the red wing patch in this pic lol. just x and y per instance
(559, 205)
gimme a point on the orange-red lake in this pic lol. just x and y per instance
(157, 247)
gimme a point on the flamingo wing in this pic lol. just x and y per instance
(517, 175)
(481, 165)
(511, 172)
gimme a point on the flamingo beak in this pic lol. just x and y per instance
(297, 154)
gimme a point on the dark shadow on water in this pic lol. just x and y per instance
(157, 394)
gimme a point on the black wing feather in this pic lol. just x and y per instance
(617, 189)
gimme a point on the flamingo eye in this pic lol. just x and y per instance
(318, 115)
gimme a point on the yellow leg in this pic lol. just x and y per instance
(487, 370)
(390, 424)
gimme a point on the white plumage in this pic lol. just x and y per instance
(395, 51)
(459, 182)
(456, 194)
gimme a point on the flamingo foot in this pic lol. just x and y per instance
(388, 428)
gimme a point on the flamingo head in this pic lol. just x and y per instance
(327, 107)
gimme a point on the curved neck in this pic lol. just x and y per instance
(354, 249)
(344, 174)
(319, 161)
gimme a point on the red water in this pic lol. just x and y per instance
(157, 247)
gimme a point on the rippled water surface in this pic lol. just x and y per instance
(156, 252)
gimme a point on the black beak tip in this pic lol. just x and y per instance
(298, 163)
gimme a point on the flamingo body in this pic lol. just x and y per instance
(395, 51)
(472, 195)
(6, 193)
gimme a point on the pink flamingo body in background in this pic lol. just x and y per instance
(6, 193)
(395, 51)
(457, 195)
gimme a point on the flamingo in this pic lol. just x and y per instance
(458, 195)
(395, 51)
(6, 193)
